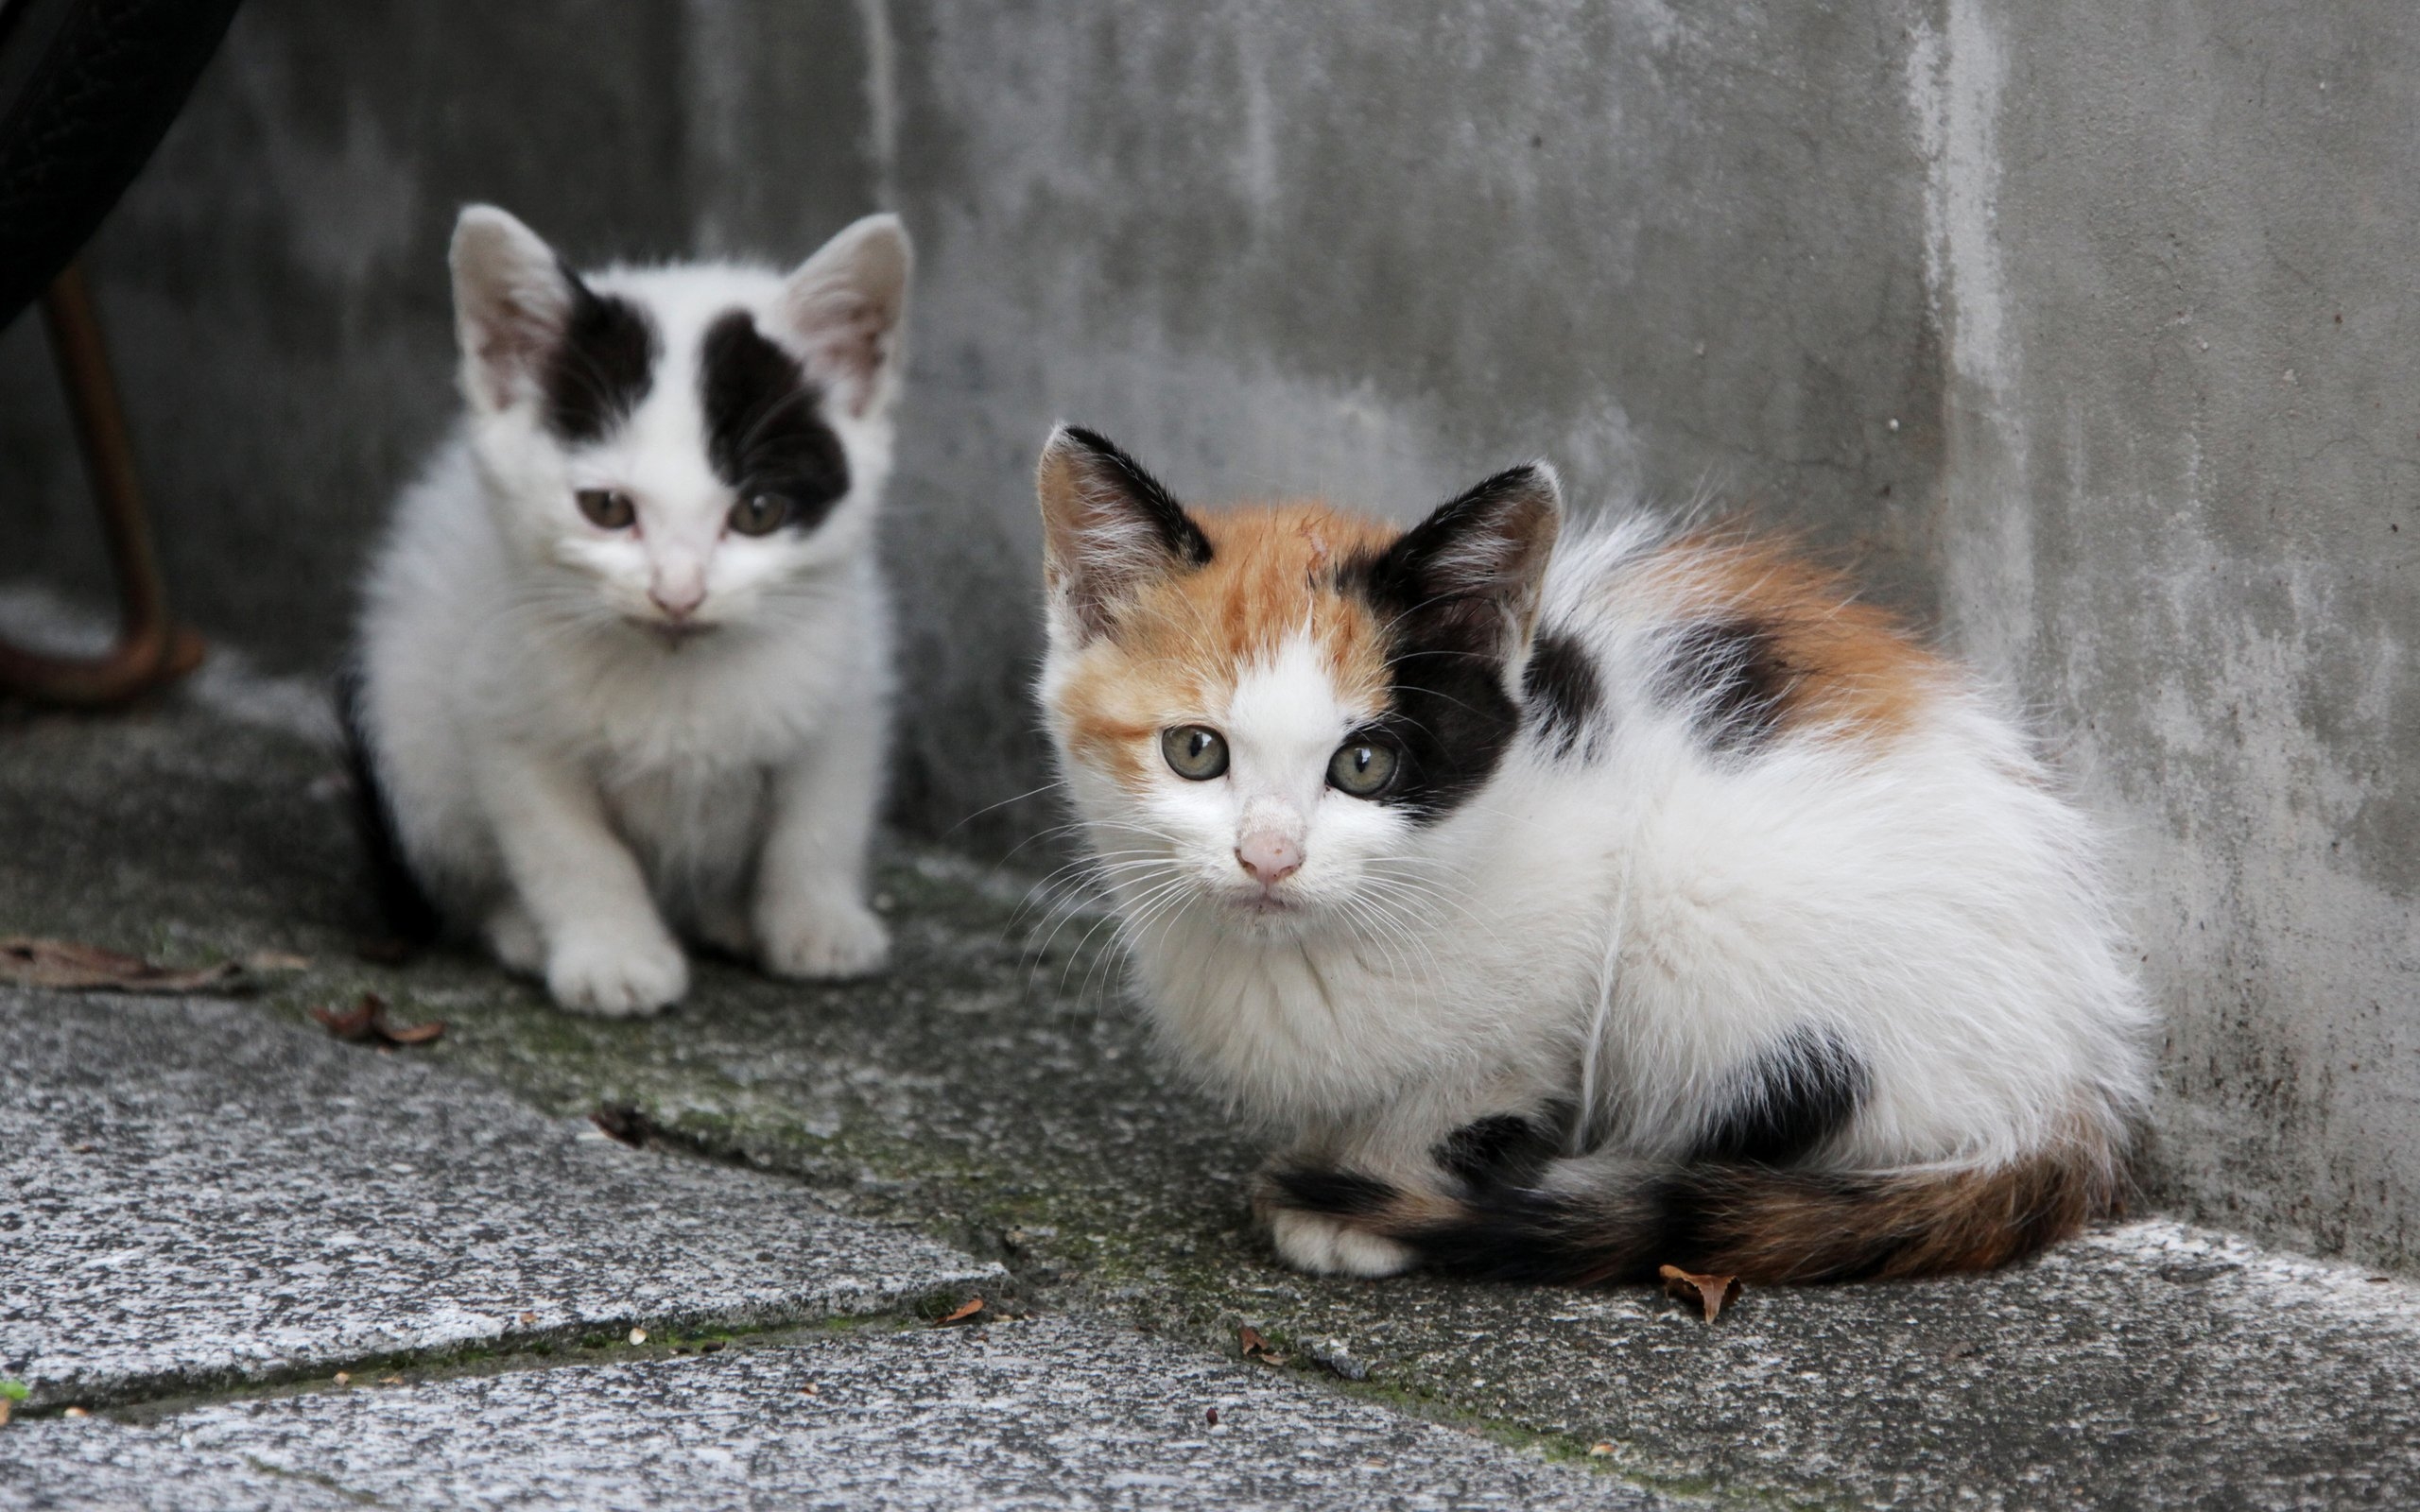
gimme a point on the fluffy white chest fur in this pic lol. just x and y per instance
(1568, 905)
(624, 655)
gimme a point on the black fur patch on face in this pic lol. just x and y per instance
(765, 432)
(1792, 1098)
(1151, 499)
(602, 366)
(1560, 691)
(1734, 675)
(1447, 712)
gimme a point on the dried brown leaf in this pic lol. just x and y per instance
(1256, 1348)
(65, 965)
(966, 1310)
(276, 961)
(366, 1024)
(1710, 1293)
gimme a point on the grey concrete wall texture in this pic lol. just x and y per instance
(2087, 330)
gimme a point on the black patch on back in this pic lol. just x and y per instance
(406, 921)
(1733, 674)
(1344, 1193)
(1559, 689)
(765, 430)
(1792, 1099)
(1151, 498)
(603, 365)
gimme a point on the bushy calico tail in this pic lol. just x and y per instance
(406, 919)
(1593, 1220)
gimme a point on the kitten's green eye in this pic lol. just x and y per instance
(760, 514)
(607, 509)
(1363, 767)
(1194, 751)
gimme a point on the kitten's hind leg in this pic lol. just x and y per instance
(1325, 1200)
(811, 916)
(606, 950)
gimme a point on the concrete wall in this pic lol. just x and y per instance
(2088, 336)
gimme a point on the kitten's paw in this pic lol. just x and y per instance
(834, 940)
(617, 976)
(1323, 1247)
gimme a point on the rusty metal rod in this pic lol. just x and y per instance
(150, 650)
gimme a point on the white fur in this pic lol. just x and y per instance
(1626, 927)
(569, 779)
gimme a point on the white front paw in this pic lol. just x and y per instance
(1323, 1247)
(833, 938)
(617, 975)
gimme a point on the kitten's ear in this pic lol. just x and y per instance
(1478, 563)
(846, 306)
(512, 298)
(1108, 527)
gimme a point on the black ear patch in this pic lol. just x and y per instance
(764, 428)
(1151, 498)
(601, 367)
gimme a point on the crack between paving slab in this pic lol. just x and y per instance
(538, 1349)
(529, 1352)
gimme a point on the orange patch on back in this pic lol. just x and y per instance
(1178, 646)
(1852, 666)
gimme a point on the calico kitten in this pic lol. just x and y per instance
(1575, 907)
(624, 660)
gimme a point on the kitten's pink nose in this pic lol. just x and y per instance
(1269, 858)
(678, 600)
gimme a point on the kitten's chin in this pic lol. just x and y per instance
(1259, 914)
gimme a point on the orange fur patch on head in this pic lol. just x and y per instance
(1851, 666)
(1178, 646)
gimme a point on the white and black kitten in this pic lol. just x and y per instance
(1573, 907)
(623, 666)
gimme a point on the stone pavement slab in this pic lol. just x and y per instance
(1047, 1413)
(197, 1193)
